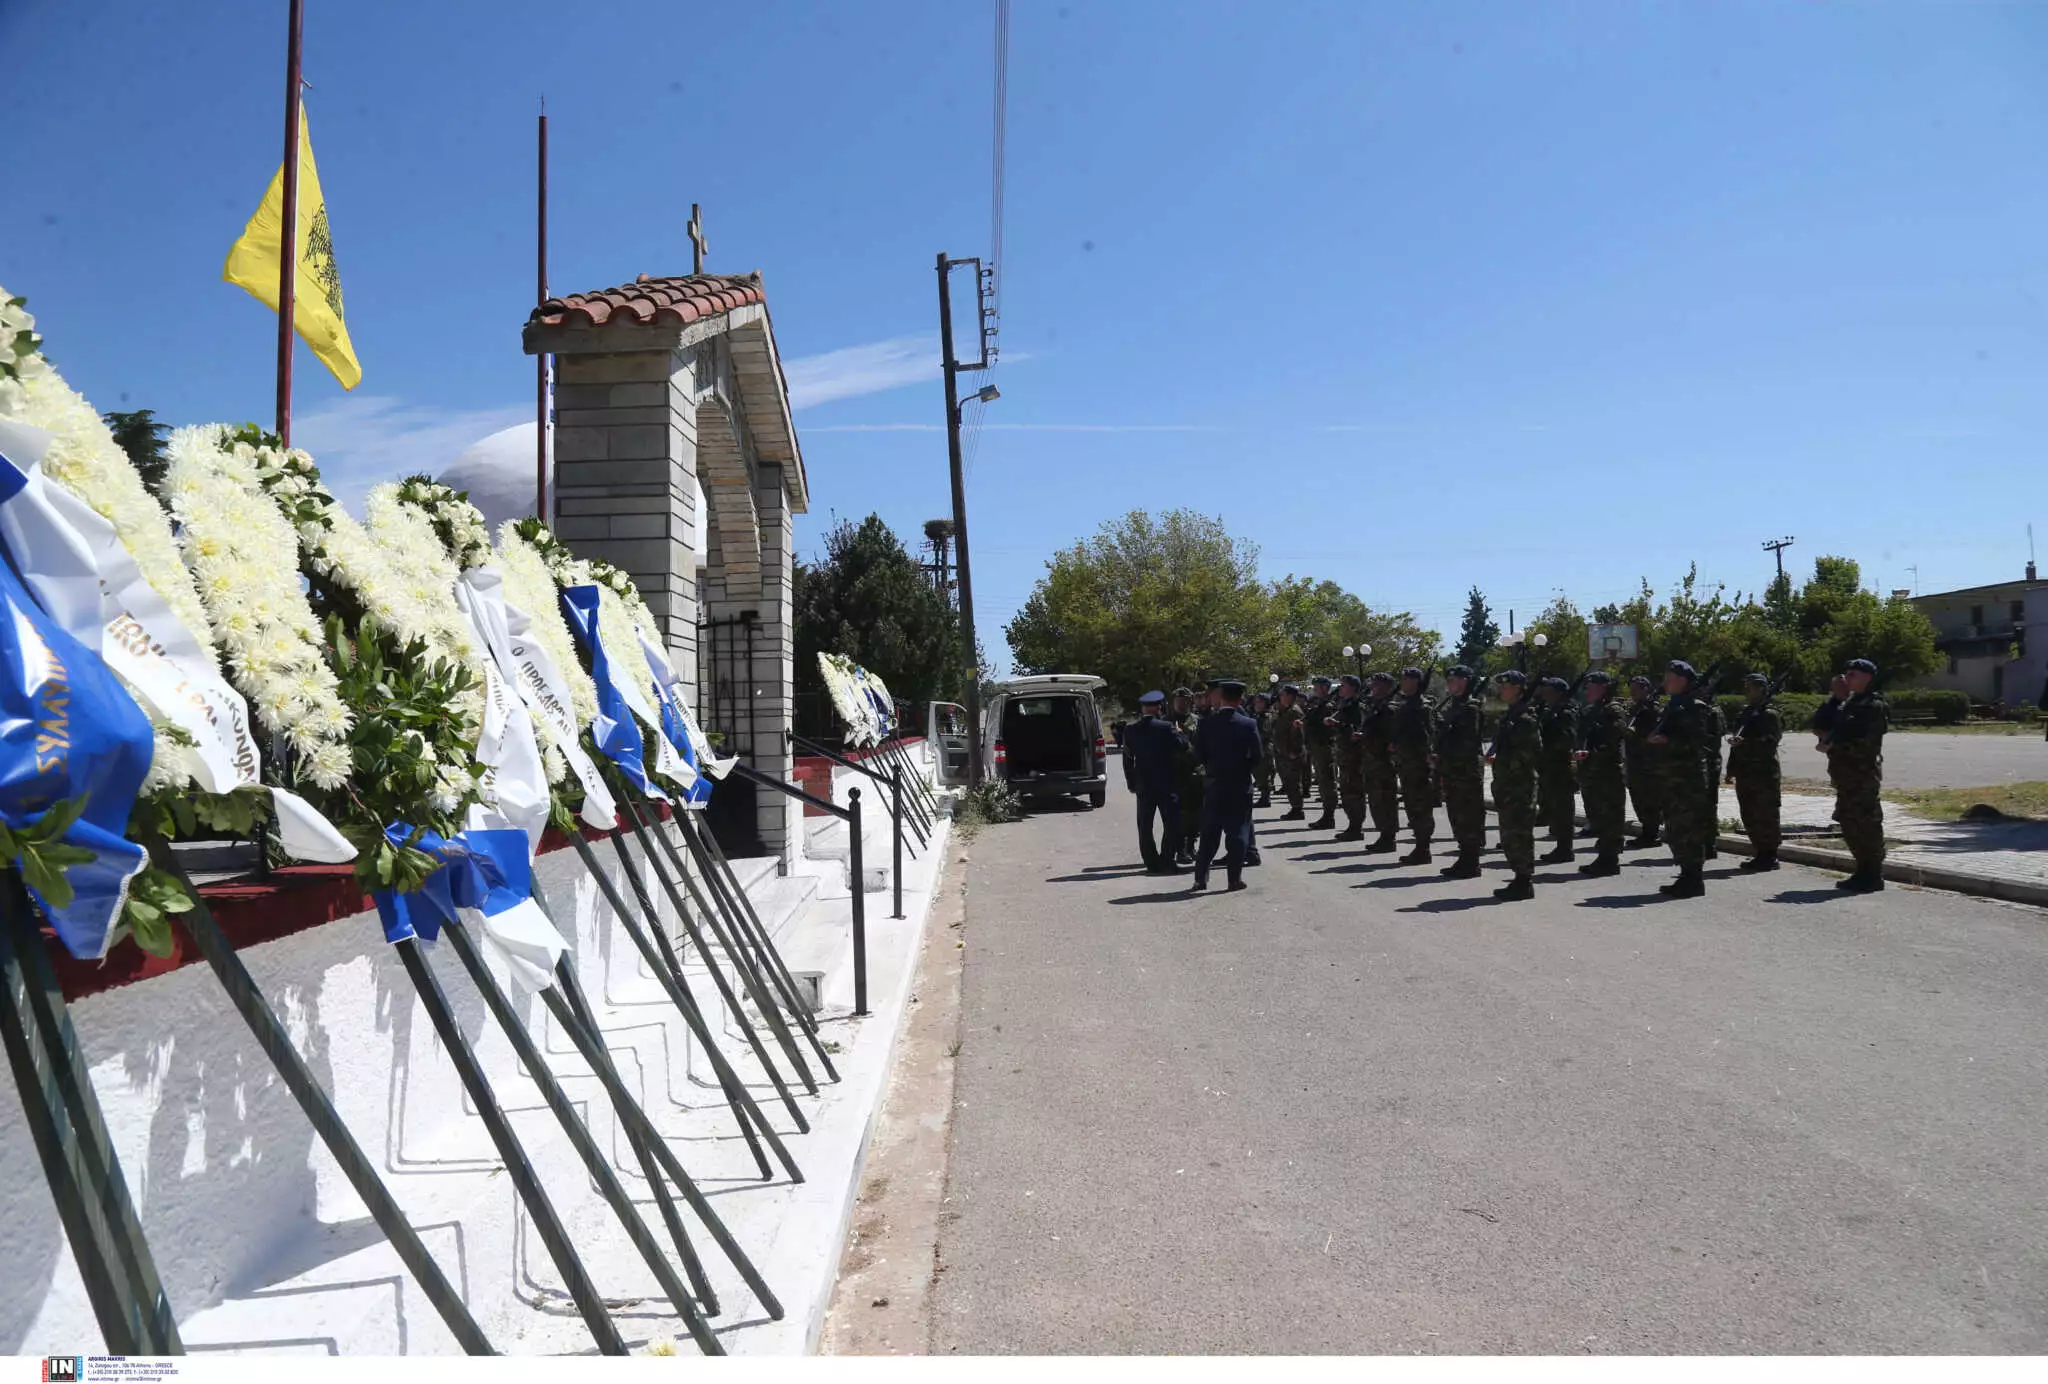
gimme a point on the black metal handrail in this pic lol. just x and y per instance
(893, 780)
(850, 814)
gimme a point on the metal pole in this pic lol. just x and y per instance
(860, 908)
(288, 241)
(896, 827)
(525, 1182)
(540, 360)
(969, 654)
(668, 974)
(591, 1043)
(594, 1162)
(123, 1320)
(199, 924)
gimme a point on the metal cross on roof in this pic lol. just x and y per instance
(697, 245)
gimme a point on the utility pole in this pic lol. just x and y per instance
(288, 249)
(1776, 547)
(540, 360)
(953, 367)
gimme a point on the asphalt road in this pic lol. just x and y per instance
(1358, 1108)
(1929, 759)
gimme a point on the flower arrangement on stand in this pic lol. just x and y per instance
(407, 669)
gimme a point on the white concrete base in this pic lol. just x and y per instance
(263, 1246)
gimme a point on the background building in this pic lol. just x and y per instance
(1995, 638)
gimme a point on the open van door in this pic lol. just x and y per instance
(946, 732)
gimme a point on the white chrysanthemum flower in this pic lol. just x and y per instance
(328, 765)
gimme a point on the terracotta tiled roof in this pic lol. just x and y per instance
(675, 301)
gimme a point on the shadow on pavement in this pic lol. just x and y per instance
(1400, 881)
(1625, 900)
(1356, 868)
(1169, 897)
(1450, 905)
(1120, 872)
(1811, 895)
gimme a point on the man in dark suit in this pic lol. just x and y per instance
(1227, 744)
(1152, 749)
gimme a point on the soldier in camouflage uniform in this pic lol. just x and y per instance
(1603, 730)
(1322, 751)
(1517, 746)
(1344, 724)
(1683, 735)
(1185, 719)
(1413, 713)
(1382, 786)
(1260, 709)
(1753, 769)
(1856, 764)
(1455, 755)
(1718, 723)
(1557, 786)
(1645, 787)
(1290, 750)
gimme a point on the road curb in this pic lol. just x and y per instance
(1896, 870)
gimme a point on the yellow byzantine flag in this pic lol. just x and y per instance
(252, 263)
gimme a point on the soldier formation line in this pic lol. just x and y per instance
(1383, 746)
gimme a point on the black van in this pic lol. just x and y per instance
(1044, 737)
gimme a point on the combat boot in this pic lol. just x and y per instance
(1418, 856)
(1648, 838)
(1294, 814)
(1520, 887)
(1558, 854)
(1324, 822)
(1602, 865)
(1265, 800)
(1383, 845)
(1757, 864)
(1350, 834)
(1862, 882)
(1200, 881)
(1466, 866)
(1183, 858)
(1688, 885)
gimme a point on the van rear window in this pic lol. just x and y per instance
(1034, 706)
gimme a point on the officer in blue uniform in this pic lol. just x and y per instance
(1227, 745)
(1152, 749)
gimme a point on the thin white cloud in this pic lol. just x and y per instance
(852, 371)
(364, 440)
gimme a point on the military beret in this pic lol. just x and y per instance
(1320, 681)
(1757, 680)
(1382, 677)
(1152, 698)
(1461, 671)
(1601, 676)
(1351, 680)
(1640, 680)
(1293, 687)
(1183, 692)
(1513, 675)
(1415, 673)
(1682, 668)
(1554, 681)
(1862, 665)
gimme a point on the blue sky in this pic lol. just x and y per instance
(1417, 297)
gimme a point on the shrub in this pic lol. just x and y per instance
(1948, 708)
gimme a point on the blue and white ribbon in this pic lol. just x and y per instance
(489, 874)
(613, 728)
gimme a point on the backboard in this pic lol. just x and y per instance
(1607, 643)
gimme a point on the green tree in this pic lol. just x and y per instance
(1479, 633)
(870, 600)
(139, 435)
(1318, 619)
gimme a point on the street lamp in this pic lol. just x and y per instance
(1359, 655)
(1520, 644)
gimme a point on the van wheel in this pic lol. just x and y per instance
(1097, 797)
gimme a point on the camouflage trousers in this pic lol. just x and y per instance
(1606, 804)
(1291, 773)
(1516, 809)
(1465, 806)
(1351, 772)
(1383, 795)
(1264, 777)
(1646, 792)
(1190, 811)
(1418, 795)
(1324, 757)
(1691, 816)
(1861, 813)
(1558, 800)
(1757, 793)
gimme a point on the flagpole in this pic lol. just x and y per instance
(540, 360)
(288, 247)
